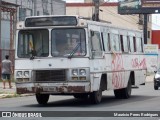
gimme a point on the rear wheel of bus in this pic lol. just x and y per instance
(42, 98)
(124, 93)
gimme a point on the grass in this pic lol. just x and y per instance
(7, 81)
(11, 95)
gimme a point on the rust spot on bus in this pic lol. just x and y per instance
(62, 89)
(76, 89)
(31, 90)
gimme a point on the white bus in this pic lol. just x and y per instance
(69, 55)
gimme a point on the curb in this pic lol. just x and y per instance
(13, 95)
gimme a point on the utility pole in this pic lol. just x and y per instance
(52, 7)
(95, 16)
(35, 7)
(0, 26)
(145, 24)
(0, 37)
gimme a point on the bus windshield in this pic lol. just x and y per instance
(33, 40)
(68, 42)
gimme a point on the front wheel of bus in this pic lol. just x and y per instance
(42, 99)
(96, 96)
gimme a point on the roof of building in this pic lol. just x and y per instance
(10, 4)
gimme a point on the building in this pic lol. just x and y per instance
(27, 8)
(156, 37)
(156, 30)
(16, 10)
(109, 13)
(39, 7)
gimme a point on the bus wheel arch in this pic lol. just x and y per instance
(103, 82)
(96, 96)
(132, 77)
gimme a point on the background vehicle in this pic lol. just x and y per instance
(157, 79)
(69, 55)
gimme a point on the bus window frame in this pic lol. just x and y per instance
(70, 28)
(139, 39)
(135, 44)
(103, 44)
(117, 51)
(33, 41)
(100, 41)
(122, 43)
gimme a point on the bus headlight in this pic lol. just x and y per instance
(19, 74)
(79, 74)
(75, 72)
(82, 72)
(26, 74)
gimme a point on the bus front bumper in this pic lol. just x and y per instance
(53, 88)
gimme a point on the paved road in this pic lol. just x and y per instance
(143, 99)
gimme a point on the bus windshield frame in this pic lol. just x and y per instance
(68, 42)
(30, 40)
(51, 21)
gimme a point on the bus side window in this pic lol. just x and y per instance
(96, 41)
(139, 44)
(122, 45)
(109, 41)
(131, 44)
(125, 43)
(134, 41)
(142, 44)
(115, 42)
(105, 41)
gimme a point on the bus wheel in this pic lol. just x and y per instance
(156, 87)
(42, 98)
(124, 93)
(81, 96)
(96, 96)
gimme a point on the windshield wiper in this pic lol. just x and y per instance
(33, 53)
(73, 51)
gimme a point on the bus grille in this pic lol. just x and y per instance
(50, 75)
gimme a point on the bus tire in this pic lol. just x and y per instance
(124, 93)
(42, 99)
(156, 87)
(96, 96)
